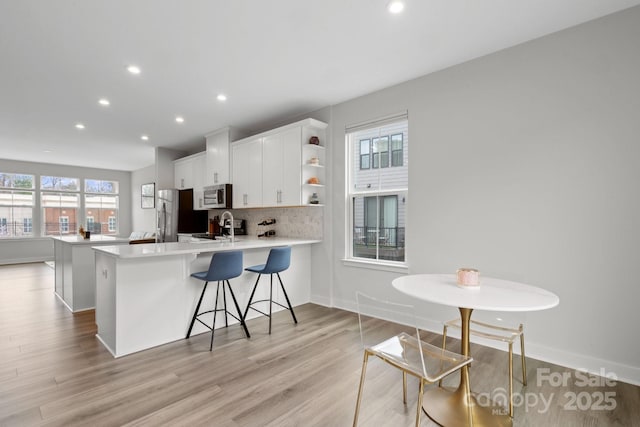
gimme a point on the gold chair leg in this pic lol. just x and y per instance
(444, 346)
(419, 410)
(524, 363)
(511, 379)
(364, 370)
(404, 387)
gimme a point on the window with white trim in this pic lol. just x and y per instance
(101, 202)
(17, 201)
(378, 188)
(60, 204)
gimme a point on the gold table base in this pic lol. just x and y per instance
(450, 408)
(458, 407)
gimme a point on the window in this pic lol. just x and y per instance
(386, 151)
(380, 152)
(16, 204)
(365, 156)
(90, 223)
(378, 188)
(101, 203)
(396, 150)
(60, 204)
(64, 224)
(112, 223)
(27, 225)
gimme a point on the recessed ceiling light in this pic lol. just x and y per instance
(133, 69)
(103, 101)
(144, 137)
(395, 6)
(222, 97)
(46, 151)
(79, 126)
(179, 119)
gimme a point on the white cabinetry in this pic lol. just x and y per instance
(273, 169)
(246, 157)
(199, 164)
(281, 168)
(189, 172)
(217, 167)
(183, 173)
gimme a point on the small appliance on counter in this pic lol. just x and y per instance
(239, 227)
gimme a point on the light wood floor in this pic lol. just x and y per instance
(54, 372)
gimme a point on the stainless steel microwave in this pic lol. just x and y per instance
(217, 196)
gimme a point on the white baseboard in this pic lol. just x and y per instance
(24, 260)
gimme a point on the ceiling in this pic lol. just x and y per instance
(273, 59)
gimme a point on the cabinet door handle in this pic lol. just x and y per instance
(245, 199)
(200, 200)
(181, 182)
(215, 177)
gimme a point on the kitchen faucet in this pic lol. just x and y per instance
(225, 213)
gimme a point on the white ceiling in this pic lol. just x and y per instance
(274, 60)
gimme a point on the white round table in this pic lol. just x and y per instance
(458, 407)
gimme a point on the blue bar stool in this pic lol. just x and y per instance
(278, 260)
(223, 266)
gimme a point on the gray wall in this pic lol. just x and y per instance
(41, 249)
(523, 164)
(142, 219)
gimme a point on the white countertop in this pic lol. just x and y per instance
(175, 248)
(492, 294)
(97, 239)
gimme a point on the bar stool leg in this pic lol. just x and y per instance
(215, 312)
(224, 301)
(270, 301)
(287, 298)
(233, 296)
(195, 313)
(251, 297)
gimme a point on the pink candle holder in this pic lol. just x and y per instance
(468, 277)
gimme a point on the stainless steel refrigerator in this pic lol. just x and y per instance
(176, 215)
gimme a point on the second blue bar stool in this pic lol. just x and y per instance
(278, 260)
(223, 266)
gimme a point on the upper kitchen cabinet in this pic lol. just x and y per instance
(246, 160)
(282, 175)
(189, 173)
(199, 164)
(183, 173)
(218, 160)
(281, 172)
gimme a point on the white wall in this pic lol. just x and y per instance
(41, 249)
(142, 219)
(524, 164)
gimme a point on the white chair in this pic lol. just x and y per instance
(404, 350)
(497, 333)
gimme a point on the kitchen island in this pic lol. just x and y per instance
(75, 278)
(145, 296)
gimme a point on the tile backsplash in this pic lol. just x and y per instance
(299, 222)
